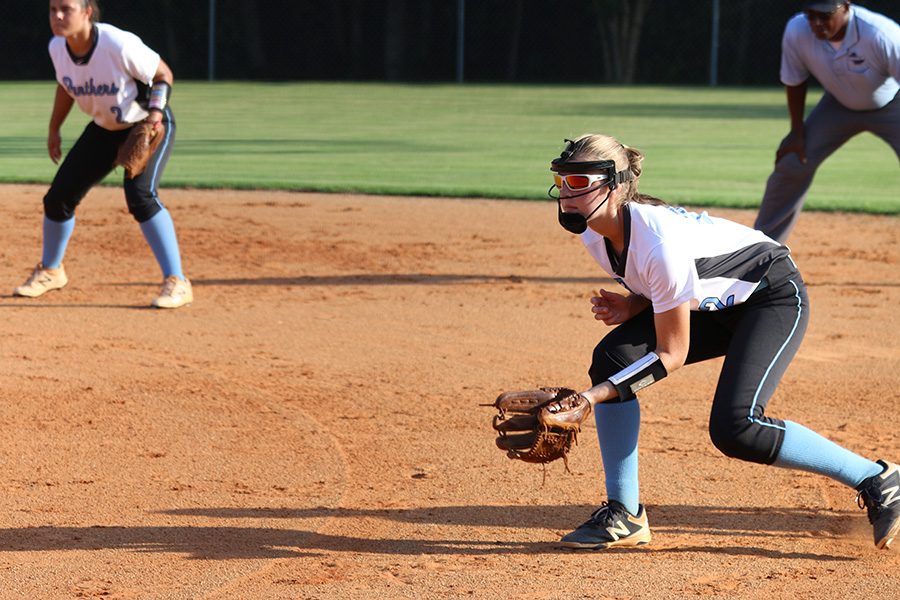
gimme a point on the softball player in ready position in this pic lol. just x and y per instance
(118, 81)
(700, 287)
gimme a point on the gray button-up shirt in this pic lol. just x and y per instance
(863, 74)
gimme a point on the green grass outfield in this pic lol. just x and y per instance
(704, 147)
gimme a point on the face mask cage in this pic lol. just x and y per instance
(575, 222)
(564, 164)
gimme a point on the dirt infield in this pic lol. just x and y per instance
(310, 427)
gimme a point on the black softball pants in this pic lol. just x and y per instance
(91, 159)
(758, 339)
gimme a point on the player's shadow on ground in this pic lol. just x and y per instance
(356, 280)
(709, 520)
(17, 303)
(385, 279)
(360, 279)
(256, 542)
(736, 525)
(377, 279)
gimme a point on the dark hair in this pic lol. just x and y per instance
(95, 16)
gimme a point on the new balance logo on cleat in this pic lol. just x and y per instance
(880, 496)
(610, 526)
(890, 493)
(618, 529)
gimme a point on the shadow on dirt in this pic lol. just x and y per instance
(711, 519)
(356, 279)
(738, 525)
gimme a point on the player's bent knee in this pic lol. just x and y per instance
(141, 207)
(742, 439)
(56, 210)
(727, 441)
(790, 167)
(144, 213)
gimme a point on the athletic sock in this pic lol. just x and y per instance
(56, 239)
(806, 450)
(159, 232)
(618, 424)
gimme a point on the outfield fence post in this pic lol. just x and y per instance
(714, 46)
(211, 49)
(460, 38)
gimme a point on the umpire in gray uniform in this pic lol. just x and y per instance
(854, 54)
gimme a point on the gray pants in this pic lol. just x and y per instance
(828, 127)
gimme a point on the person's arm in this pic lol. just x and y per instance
(62, 104)
(796, 102)
(162, 84)
(795, 141)
(673, 338)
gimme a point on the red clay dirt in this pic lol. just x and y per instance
(311, 427)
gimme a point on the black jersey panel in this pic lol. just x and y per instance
(750, 263)
(620, 262)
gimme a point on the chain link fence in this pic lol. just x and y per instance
(523, 41)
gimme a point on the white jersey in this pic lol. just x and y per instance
(863, 73)
(105, 86)
(673, 256)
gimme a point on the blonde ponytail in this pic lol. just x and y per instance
(603, 147)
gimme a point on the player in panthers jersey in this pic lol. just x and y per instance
(699, 287)
(118, 81)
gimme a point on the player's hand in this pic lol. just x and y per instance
(155, 118)
(54, 146)
(795, 141)
(610, 307)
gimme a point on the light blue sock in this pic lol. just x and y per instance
(806, 450)
(160, 234)
(56, 239)
(618, 424)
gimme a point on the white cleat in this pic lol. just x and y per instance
(174, 293)
(42, 280)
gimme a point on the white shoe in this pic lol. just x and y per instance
(42, 280)
(175, 292)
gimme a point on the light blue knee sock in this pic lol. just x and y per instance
(160, 234)
(618, 424)
(56, 238)
(806, 450)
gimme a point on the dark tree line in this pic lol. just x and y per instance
(540, 41)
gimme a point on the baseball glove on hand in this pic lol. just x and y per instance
(539, 426)
(142, 141)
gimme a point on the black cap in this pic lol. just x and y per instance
(824, 7)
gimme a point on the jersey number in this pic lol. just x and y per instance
(713, 303)
(118, 112)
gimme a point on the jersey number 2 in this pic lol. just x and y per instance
(118, 112)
